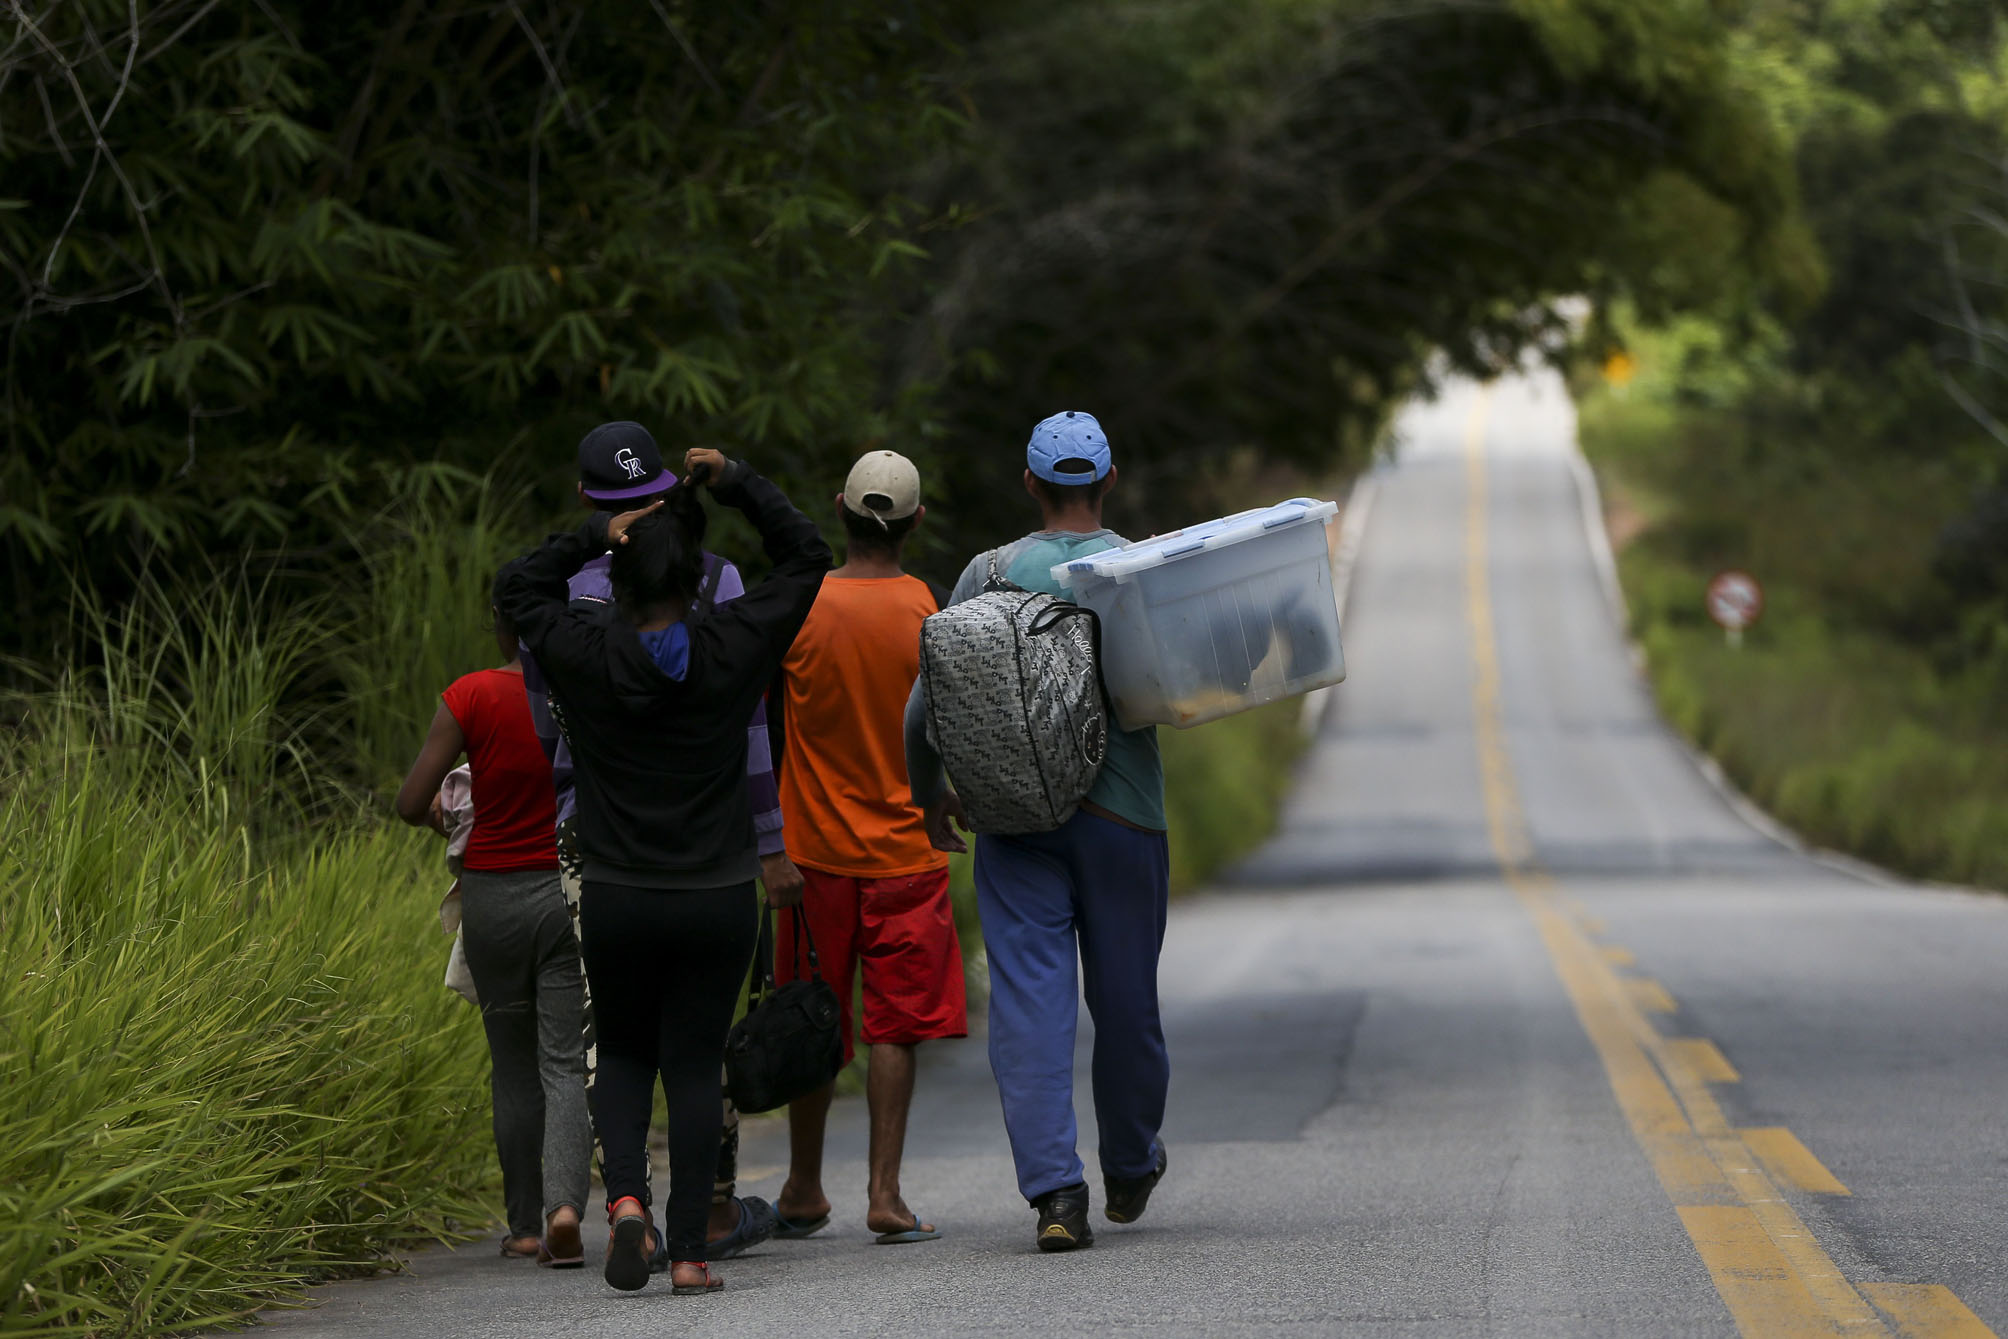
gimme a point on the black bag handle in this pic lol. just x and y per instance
(763, 962)
(805, 936)
(763, 954)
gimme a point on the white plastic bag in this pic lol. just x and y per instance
(456, 800)
(459, 978)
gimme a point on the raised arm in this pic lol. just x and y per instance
(745, 640)
(532, 592)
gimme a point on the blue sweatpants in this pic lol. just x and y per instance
(1098, 890)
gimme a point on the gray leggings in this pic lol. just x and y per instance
(520, 946)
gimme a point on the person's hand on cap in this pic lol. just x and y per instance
(705, 465)
(617, 528)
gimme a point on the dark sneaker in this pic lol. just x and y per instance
(1128, 1198)
(1063, 1219)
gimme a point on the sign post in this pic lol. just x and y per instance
(1734, 602)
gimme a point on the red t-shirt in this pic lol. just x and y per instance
(515, 808)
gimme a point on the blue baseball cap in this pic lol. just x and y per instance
(1070, 438)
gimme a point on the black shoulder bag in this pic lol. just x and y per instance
(789, 1043)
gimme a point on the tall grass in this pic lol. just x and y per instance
(1856, 741)
(229, 1065)
(424, 619)
(1224, 785)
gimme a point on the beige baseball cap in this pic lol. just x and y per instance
(883, 485)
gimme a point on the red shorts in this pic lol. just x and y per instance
(902, 932)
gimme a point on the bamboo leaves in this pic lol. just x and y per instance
(316, 232)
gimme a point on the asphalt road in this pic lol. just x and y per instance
(1516, 1028)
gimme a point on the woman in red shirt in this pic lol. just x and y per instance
(521, 948)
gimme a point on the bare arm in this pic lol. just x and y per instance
(441, 752)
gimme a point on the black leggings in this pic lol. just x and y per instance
(666, 967)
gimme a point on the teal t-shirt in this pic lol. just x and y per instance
(1131, 782)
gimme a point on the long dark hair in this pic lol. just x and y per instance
(663, 559)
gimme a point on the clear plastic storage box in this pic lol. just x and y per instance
(1215, 618)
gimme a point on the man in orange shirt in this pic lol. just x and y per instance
(876, 894)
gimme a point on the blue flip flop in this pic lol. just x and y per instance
(794, 1229)
(907, 1236)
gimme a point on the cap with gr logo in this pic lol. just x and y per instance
(883, 485)
(1068, 448)
(618, 461)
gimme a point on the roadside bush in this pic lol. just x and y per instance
(1852, 711)
(230, 1066)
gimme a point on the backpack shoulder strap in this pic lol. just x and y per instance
(995, 579)
(939, 592)
(707, 589)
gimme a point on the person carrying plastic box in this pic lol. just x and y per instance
(1094, 890)
(876, 896)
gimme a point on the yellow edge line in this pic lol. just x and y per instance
(1766, 1265)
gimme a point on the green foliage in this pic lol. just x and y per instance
(230, 1066)
(420, 617)
(1250, 226)
(1853, 740)
(261, 260)
(1864, 708)
(1224, 785)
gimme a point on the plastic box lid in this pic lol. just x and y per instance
(1206, 537)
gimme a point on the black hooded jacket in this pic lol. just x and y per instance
(662, 762)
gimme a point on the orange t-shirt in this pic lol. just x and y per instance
(844, 793)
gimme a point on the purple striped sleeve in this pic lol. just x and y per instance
(763, 790)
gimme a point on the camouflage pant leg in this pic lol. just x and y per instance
(726, 1178)
(570, 867)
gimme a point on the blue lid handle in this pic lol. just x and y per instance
(1288, 518)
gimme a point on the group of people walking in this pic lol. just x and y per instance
(659, 738)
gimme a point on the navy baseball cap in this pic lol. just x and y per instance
(618, 461)
(1070, 438)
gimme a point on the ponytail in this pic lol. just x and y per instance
(663, 559)
(683, 503)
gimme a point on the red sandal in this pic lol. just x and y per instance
(712, 1283)
(627, 1247)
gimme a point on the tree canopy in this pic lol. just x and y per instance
(268, 265)
(267, 260)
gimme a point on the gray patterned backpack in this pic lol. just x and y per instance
(1014, 705)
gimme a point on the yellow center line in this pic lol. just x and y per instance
(1792, 1162)
(1770, 1271)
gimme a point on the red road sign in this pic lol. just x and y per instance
(1735, 599)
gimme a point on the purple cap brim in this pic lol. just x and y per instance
(662, 483)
